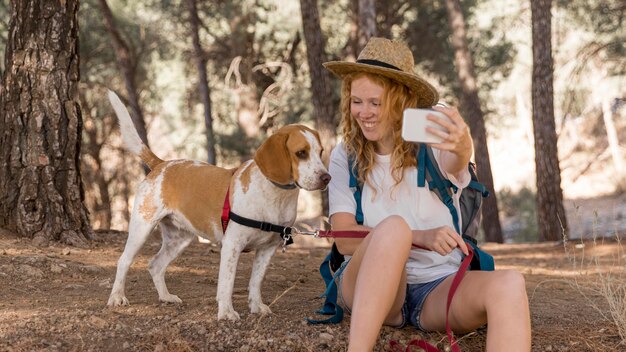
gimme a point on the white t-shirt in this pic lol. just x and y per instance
(419, 207)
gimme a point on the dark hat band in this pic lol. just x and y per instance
(377, 63)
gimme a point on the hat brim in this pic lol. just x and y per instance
(426, 93)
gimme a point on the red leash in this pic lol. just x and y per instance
(455, 284)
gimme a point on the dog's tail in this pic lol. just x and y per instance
(130, 135)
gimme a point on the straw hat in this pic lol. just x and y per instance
(393, 60)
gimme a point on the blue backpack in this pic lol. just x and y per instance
(427, 171)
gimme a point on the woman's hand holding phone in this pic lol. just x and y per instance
(441, 127)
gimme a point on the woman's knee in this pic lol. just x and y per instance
(393, 228)
(507, 285)
(395, 223)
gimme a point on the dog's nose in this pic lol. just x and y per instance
(325, 178)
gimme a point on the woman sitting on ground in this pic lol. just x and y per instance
(386, 281)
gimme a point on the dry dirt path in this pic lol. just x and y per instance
(54, 299)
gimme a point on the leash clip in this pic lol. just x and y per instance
(286, 238)
(315, 233)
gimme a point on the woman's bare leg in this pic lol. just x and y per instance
(494, 297)
(374, 282)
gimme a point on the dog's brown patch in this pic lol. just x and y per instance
(147, 209)
(197, 190)
(245, 177)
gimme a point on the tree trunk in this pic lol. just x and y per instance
(41, 194)
(242, 46)
(98, 199)
(611, 133)
(551, 218)
(470, 106)
(127, 66)
(320, 82)
(352, 45)
(367, 22)
(203, 82)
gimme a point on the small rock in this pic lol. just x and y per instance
(66, 251)
(106, 283)
(91, 269)
(98, 322)
(326, 338)
(28, 270)
(40, 241)
(55, 268)
(126, 345)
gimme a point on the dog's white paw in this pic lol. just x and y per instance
(117, 300)
(229, 314)
(170, 298)
(260, 308)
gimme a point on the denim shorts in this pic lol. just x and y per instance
(413, 302)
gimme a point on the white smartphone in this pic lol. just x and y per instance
(414, 123)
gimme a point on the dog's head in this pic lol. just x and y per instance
(292, 155)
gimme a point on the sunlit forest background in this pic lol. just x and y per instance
(259, 79)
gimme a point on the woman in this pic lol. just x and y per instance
(385, 281)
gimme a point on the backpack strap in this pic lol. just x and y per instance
(421, 165)
(427, 162)
(330, 303)
(354, 185)
(444, 189)
(426, 153)
(475, 185)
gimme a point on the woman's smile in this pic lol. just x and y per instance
(365, 108)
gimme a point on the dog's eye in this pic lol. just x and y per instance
(301, 154)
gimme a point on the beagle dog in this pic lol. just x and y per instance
(185, 198)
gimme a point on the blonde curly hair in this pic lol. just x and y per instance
(395, 98)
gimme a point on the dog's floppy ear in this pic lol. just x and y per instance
(273, 159)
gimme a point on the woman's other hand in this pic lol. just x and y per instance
(441, 240)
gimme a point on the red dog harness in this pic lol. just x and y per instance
(226, 210)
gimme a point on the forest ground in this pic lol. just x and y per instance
(54, 299)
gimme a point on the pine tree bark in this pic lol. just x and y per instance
(320, 81)
(98, 198)
(203, 82)
(41, 194)
(551, 218)
(367, 22)
(471, 110)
